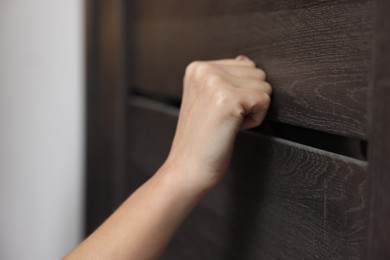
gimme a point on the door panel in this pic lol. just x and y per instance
(279, 199)
(317, 53)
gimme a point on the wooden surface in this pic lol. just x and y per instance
(281, 200)
(379, 152)
(318, 54)
(106, 95)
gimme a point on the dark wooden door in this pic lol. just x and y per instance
(312, 182)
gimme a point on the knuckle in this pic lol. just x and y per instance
(265, 100)
(250, 63)
(208, 73)
(191, 67)
(202, 71)
(267, 88)
(213, 80)
(202, 67)
(261, 73)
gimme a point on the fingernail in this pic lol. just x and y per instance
(242, 57)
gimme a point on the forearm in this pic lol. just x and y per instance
(219, 98)
(145, 223)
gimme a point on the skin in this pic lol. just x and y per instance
(220, 98)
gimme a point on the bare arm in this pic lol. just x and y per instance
(220, 98)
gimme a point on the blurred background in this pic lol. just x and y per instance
(320, 57)
(41, 127)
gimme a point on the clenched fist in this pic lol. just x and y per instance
(219, 98)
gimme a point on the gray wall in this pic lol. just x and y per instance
(41, 127)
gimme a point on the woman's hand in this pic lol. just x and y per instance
(219, 98)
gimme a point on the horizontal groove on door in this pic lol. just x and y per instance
(173, 102)
(342, 145)
(348, 146)
(276, 192)
(317, 54)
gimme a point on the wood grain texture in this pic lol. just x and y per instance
(280, 200)
(379, 142)
(317, 53)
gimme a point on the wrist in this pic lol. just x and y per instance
(183, 180)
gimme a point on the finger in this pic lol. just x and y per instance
(235, 62)
(251, 83)
(256, 105)
(241, 71)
